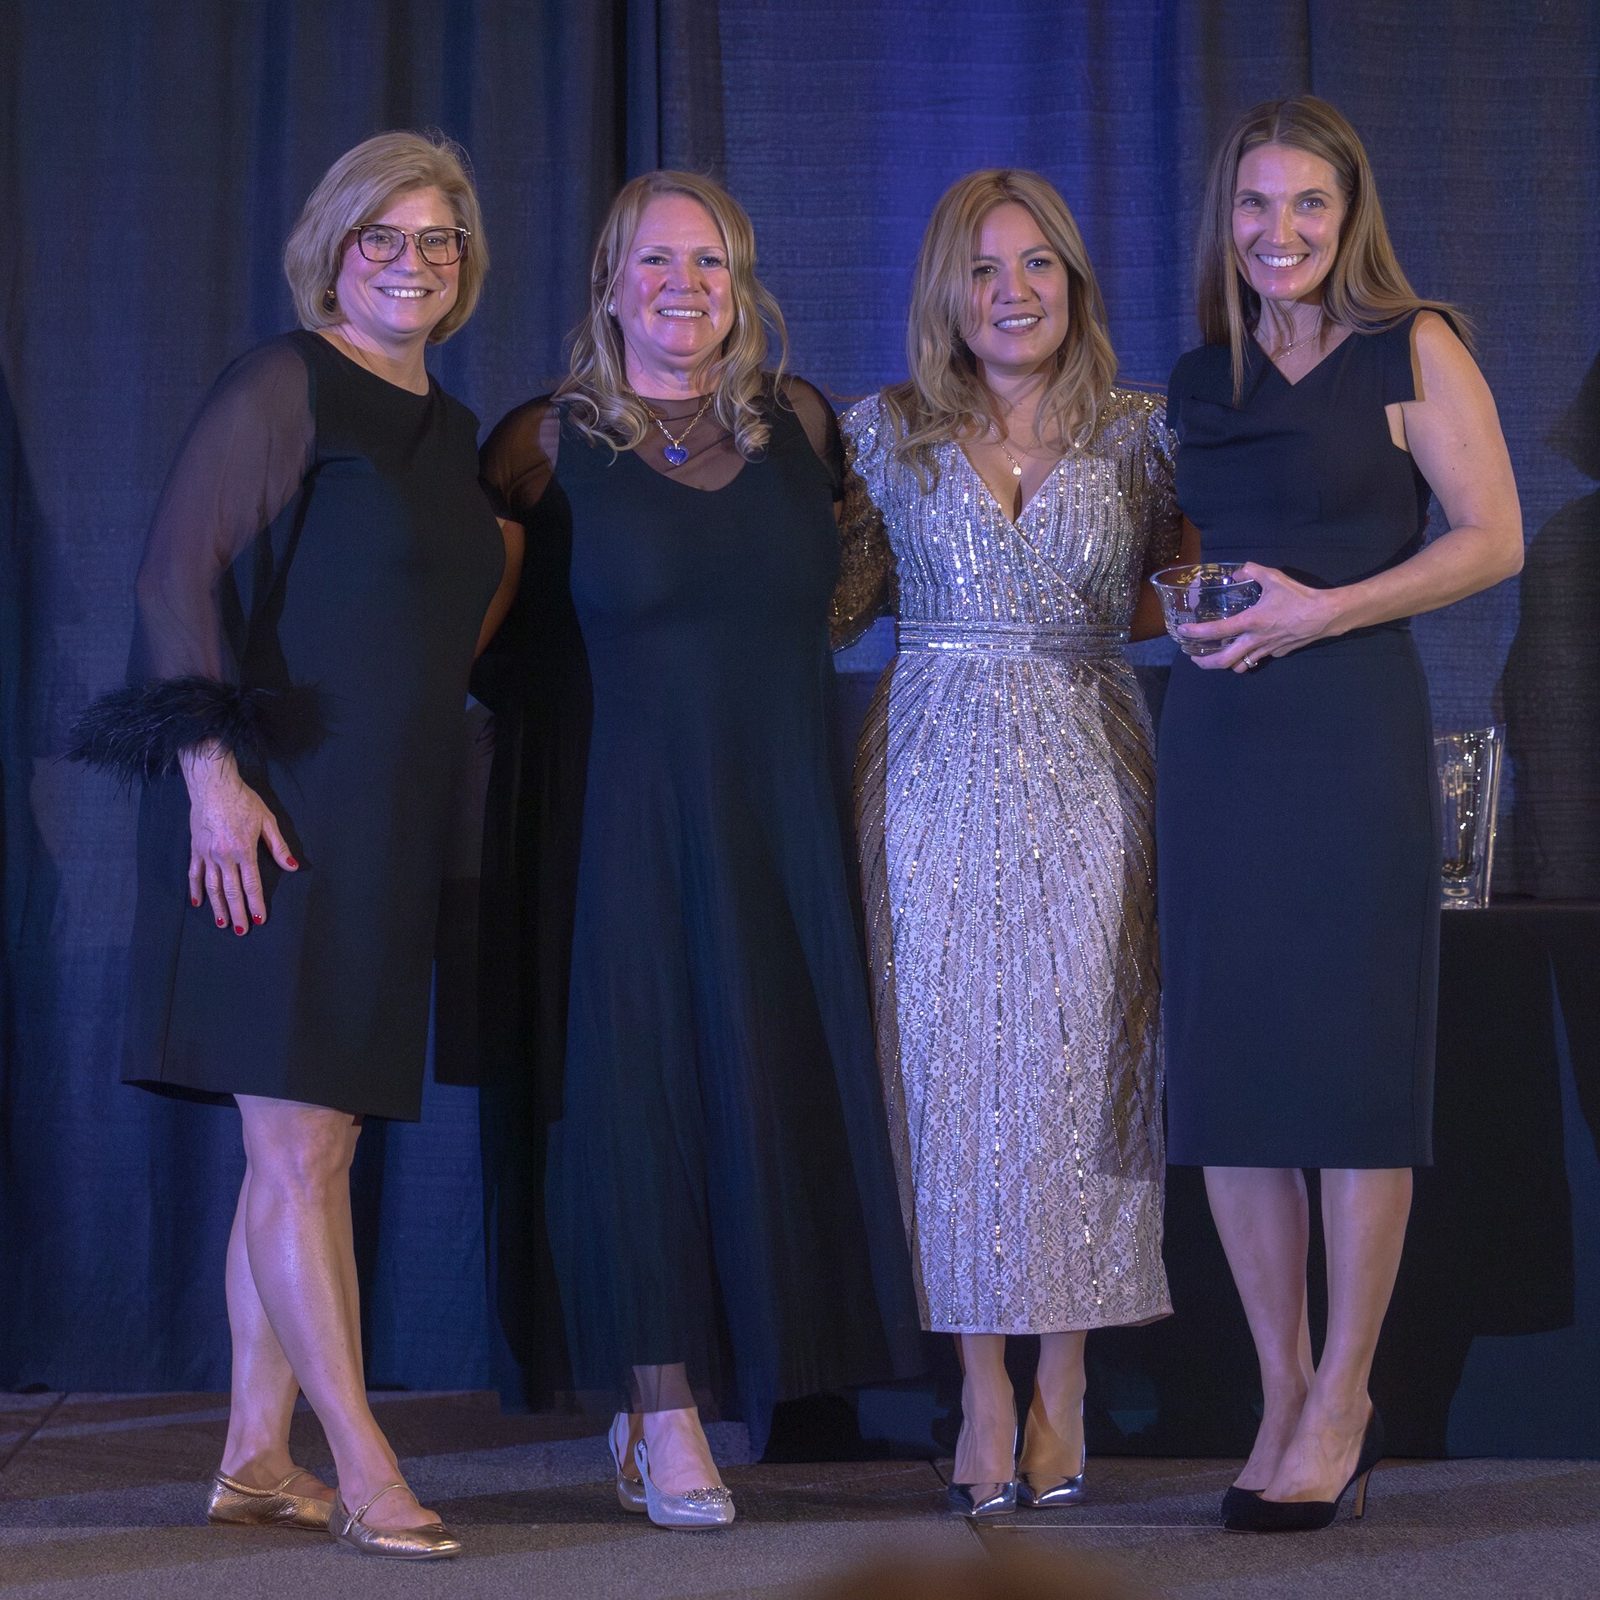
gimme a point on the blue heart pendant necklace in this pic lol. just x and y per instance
(674, 449)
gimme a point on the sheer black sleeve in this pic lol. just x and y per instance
(245, 456)
(821, 427)
(518, 459)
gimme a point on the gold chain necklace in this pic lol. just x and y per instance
(674, 449)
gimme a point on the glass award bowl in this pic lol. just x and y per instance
(1203, 591)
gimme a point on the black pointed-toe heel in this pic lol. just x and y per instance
(1252, 1514)
(1233, 1498)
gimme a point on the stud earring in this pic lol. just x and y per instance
(611, 308)
(330, 301)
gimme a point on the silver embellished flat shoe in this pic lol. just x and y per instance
(711, 1507)
(630, 1491)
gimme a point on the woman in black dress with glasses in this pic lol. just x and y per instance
(321, 566)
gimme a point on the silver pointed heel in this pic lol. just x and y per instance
(711, 1507)
(998, 1501)
(964, 1499)
(630, 1491)
(1063, 1492)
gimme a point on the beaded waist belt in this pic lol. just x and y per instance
(1012, 639)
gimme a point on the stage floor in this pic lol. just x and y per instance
(100, 1496)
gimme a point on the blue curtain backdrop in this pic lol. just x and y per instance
(152, 158)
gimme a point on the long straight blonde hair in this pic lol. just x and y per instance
(944, 397)
(595, 392)
(1366, 288)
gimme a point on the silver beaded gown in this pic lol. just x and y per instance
(1003, 801)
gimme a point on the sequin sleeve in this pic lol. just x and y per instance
(866, 586)
(1164, 521)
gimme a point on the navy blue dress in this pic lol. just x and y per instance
(719, 1185)
(1297, 830)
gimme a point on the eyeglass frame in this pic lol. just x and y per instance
(407, 237)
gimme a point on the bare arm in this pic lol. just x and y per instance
(1453, 431)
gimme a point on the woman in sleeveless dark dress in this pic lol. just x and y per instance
(317, 576)
(1297, 835)
(722, 1208)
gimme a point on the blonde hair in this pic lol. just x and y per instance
(595, 393)
(1366, 288)
(943, 395)
(354, 190)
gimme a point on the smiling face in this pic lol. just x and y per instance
(674, 295)
(1288, 208)
(1017, 313)
(392, 306)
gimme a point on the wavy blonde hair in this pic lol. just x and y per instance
(943, 397)
(355, 189)
(1366, 288)
(595, 392)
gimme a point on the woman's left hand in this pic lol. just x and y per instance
(1287, 616)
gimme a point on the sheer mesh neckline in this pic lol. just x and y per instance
(689, 424)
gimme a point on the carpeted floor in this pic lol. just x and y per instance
(100, 1496)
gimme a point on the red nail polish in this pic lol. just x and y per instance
(256, 917)
(238, 928)
(193, 901)
(291, 862)
(222, 922)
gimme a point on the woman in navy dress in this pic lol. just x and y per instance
(722, 1206)
(320, 569)
(1296, 816)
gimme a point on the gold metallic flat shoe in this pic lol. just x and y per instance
(237, 1503)
(431, 1542)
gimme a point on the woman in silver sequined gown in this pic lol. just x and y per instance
(1007, 502)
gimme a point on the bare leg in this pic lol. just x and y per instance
(264, 1388)
(297, 1235)
(986, 1447)
(1262, 1219)
(1364, 1214)
(680, 1455)
(1052, 1447)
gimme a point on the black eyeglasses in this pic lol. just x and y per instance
(439, 247)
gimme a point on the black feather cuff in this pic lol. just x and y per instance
(139, 733)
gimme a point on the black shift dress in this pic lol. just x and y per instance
(323, 542)
(1297, 833)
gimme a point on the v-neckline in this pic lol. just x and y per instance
(1310, 372)
(994, 499)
